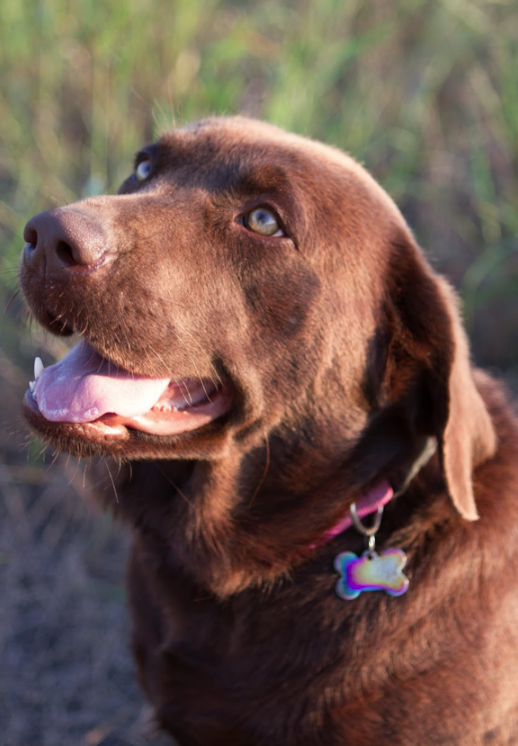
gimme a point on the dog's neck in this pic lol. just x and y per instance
(381, 494)
(229, 542)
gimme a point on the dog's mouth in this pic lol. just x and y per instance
(84, 388)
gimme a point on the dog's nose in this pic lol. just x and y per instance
(63, 240)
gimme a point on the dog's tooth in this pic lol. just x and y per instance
(32, 385)
(38, 368)
(162, 407)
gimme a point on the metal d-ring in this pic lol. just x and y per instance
(368, 531)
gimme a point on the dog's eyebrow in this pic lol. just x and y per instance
(259, 180)
(233, 177)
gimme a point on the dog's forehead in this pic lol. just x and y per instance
(246, 145)
(234, 136)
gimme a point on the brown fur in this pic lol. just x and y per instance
(343, 351)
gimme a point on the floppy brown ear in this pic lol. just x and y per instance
(430, 345)
(468, 437)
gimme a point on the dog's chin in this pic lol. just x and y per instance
(199, 432)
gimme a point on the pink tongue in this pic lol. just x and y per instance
(83, 386)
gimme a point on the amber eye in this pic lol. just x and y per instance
(143, 169)
(263, 221)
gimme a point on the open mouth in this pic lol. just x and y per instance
(85, 388)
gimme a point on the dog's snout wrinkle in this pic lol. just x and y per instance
(65, 240)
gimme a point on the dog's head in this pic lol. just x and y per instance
(248, 282)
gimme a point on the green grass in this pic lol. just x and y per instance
(423, 92)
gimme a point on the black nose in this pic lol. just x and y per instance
(64, 240)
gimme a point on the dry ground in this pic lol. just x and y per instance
(66, 675)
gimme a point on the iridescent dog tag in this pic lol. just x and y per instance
(371, 572)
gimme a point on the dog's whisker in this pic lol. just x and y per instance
(116, 494)
(173, 484)
(265, 470)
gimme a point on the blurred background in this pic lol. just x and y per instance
(423, 92)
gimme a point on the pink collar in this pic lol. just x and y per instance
(381, 494)
(375, 498)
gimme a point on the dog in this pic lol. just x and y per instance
(323, 493)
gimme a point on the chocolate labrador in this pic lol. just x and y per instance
(323, 492)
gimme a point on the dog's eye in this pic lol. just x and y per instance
(143, 169)
(263, 221)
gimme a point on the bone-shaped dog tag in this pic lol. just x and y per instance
(371, 572)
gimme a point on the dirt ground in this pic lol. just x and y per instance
(66, 674)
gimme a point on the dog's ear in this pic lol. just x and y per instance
(428, 366)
